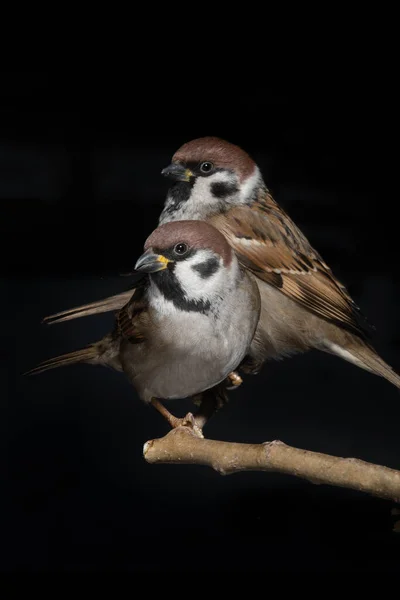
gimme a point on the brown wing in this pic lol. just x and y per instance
(131, 321)
(269, 244)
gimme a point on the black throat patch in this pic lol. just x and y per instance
(178, 194)
(171, 289)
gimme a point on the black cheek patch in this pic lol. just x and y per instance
(222, 189)
(207, 268)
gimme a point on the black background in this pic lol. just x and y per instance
(80, 190)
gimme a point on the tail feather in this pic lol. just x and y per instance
(90, 354)
(112, 303)
(365, 357)
(377, 365)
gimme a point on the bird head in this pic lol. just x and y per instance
(209, 175)
(190, 264)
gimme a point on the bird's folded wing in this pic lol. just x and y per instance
(270, 245)
(133, 320)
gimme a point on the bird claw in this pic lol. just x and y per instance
(190, 422)
(235, 380)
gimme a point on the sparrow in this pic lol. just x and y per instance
(188, 324)
(304, 306)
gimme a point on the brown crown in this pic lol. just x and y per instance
(196, 234)
(221, 153)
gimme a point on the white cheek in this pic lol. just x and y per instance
(195, 286)
(202, 187)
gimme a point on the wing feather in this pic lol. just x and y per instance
(132, 319)
(270, 245)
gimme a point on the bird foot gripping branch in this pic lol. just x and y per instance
(175, 422)
(189, 422)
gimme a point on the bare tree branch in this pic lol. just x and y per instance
(185, 445)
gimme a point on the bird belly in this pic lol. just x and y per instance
(182, 364)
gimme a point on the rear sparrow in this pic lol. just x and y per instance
(303, 305)
(189, 323)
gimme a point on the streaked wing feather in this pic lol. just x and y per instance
(132, 320)
(270, 245)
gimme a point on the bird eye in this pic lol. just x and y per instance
(206, 167)
(181, 249)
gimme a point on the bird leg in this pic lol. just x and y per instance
(170, 418)
(207, 407)
(174, 422)
(209, 402)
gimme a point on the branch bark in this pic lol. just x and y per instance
(185, 445)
